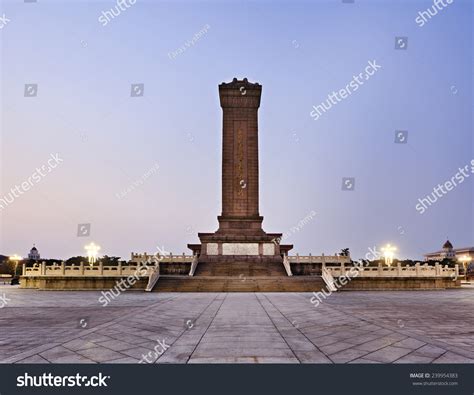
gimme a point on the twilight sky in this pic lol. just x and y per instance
(145, 171)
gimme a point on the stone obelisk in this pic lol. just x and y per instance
(240, 230)
(240, 101)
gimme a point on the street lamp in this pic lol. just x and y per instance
(15, 258)
(465, 259)
(388, 253)
(92, 252)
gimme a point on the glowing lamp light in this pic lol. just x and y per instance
(92, 250)
(465, 259)
(388, 253)
(16, 258)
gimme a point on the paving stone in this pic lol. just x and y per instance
(245, 360)
(123, 360)
(79, 344)
(375, 344)
(430, 351)
(409, 343)
(335, 347)
(349, 327)
(34, 359)
(100, 354)
(347, 355)
(313, 356)
(413, 358)
(115, 345)
(451, 357)
(176, 354)
(362, 361)
(63, 355)
(387, 354)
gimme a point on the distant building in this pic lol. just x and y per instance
(450, 252)
(34, 254)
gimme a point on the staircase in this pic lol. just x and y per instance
(241, 268)
(239, 284)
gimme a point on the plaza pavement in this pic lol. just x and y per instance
(349, 327)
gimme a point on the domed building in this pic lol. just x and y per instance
(449, 252)
(34, 254)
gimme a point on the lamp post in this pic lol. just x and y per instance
(388, 253)
(92, 252)
(466, 260)
(15, 258)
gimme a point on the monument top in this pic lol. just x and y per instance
(235, 83)
(240, 93)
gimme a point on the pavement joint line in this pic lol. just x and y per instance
(336, 341)
(356, 345)
(185, 330)
(435, 359)
(409, 333)
(406, 332)
(213, 318)
(276, 328)
(432, 358)
(297, 329)
(41, 348)
(132, 346)
(359, 321)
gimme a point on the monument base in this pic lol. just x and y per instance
(253, 243)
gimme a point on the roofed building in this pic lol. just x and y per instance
(449, 252)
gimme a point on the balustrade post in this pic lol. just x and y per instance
(63, 268)
(417, 269)
(437, 270)
(23, 269)
(399, 269)
(119, 268)
(310, 258)
(101, 268)
(380, 269)
(81, 268)
(43, 268)
(343, 269)
(297, 258)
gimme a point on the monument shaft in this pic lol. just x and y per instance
(240, 150)
(240, 230)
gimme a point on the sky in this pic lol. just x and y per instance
(144, 171)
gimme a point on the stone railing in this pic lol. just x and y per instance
(149, 258)
(318, 259)
(194, 264)
(286, 264)
(97, 270)
(396, 271)
(153, 278)
(328, 279)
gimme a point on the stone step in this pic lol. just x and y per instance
(229, 284)
(241, 269)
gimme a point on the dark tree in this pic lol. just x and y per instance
(345, 252)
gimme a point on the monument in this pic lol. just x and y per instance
(240, 256)
(240, 236)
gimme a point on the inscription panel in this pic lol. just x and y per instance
(240, 167)
(240, 249)
(268, 249)
(212, 249)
